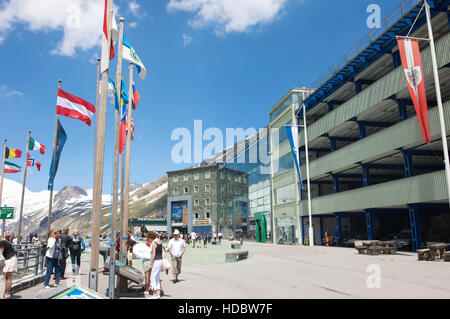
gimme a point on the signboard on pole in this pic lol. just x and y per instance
(6, 212)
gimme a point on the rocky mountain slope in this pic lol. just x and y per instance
(72, 206)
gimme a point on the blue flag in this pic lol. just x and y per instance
(292, 133)
(60, 141)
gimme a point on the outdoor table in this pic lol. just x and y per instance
(437, 249)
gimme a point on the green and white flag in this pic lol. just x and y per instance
(130, 55)
(12, 168)
(35, 146)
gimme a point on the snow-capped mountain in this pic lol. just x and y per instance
(72, 206)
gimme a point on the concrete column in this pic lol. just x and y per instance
(339, 231)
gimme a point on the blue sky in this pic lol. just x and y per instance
(227, 70)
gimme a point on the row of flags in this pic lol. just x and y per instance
(11, 168)
(74, 107)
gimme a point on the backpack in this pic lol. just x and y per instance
(44, 249)
(75, 244)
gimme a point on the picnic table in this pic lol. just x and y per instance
(376, 247)
(432, 252)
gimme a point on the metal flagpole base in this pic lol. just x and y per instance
(93, 280)
(311, 236)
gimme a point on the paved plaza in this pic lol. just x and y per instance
(291, 272)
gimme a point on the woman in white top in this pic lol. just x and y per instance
(156, 265)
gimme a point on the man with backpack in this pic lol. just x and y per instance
(76, 247)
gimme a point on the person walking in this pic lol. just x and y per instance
(143, 231)
(242, 238)
(193, 238)
(220, 237)
(52, 259)
(150, 236)
(176, 247)
(215, 237)
(156, 264)
(76, 248)
(65, 241)
(10, 267)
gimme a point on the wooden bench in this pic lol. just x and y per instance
(377, 248)
(437, 250)
(236, 256)
(447, 256)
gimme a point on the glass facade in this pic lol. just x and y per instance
(285, 195)
(247, 190)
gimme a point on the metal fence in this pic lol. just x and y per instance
(29, 257)
(389, 20)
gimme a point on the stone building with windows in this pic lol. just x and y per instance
(207, 198)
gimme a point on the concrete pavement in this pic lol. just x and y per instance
(294, 272)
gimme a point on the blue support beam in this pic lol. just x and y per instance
(321, 231)
(302, 225)
(336, 188)
(408, 163)
(414, 219)
(396, 59)
(362, 130)
(370, 225)
(366, 175)
(340, 239)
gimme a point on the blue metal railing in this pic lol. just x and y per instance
(400, 11)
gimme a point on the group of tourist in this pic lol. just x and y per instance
(59, 244)
(158, 263)
(11, 237)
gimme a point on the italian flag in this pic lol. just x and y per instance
(35, 146)
(11, 168)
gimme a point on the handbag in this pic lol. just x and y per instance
(166, 263)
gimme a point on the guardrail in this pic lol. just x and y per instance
(401, 10)
(29, 257)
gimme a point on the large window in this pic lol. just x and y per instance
(284, 195)
(283, 164)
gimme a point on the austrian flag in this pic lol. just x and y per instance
(412, 66)
(71, 106)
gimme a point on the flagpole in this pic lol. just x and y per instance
(439, 98)
(311, 230)
(127, 170)
(122, 204)
(116, 153)
(55, 140)
(1, 184)
(99, 158)
(19, 236)
(297, 178)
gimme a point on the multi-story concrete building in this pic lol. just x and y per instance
(372, 176)
(207, 198)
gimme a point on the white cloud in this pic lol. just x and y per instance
(80, 20)
(227, 16)
(5, 91)
(186, 39)
(133, 25)
(134, 7)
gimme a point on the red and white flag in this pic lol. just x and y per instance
(32, 162)
(106, 42)
(412, 66)
(71, 106)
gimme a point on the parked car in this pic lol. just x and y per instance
(403, 240)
